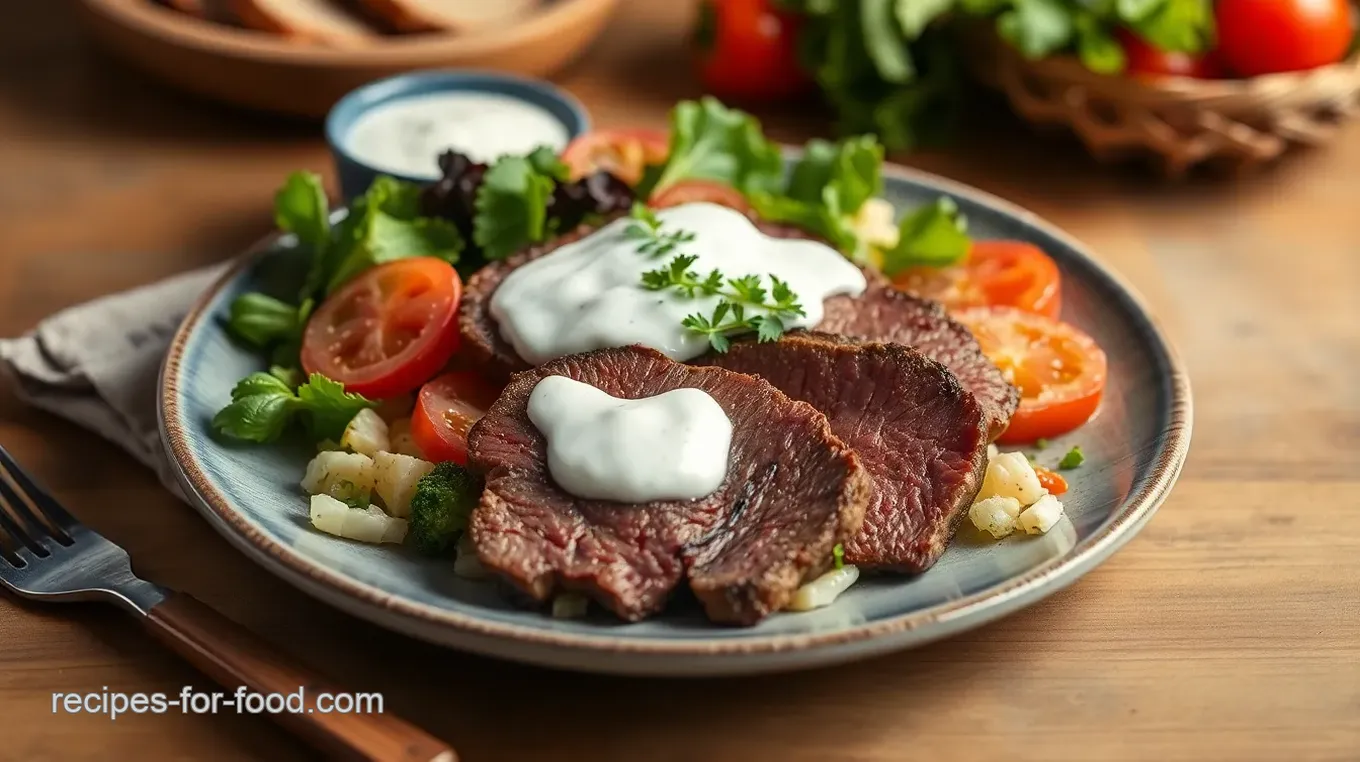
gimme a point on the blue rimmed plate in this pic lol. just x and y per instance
(1134, 448)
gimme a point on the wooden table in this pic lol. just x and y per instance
(1228, 630)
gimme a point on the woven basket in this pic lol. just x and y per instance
(1179, 121)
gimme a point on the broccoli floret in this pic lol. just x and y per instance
(443, 500)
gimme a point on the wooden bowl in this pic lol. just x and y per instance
(1179, 121)
(262, 71)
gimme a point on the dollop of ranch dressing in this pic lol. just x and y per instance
(588, 295)
(673, 446)
(407, 135)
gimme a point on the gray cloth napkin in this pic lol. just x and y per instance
(97, 363)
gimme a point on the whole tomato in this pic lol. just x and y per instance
(748, 50)
(1145, 58)
(1264, 36)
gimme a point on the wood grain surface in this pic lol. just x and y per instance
(1228, 630)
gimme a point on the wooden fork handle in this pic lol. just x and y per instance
(235, 657)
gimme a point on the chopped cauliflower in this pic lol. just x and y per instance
(363, 524)
(400, 438)
(366, 434)
(1009, 474)
(824, 590)
(346, 475)
(995, 515)
(395, 477)
(1042, 516)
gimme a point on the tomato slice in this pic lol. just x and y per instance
(995, 274)
(388, 330)
(624, 154)
(1059, 370)
(694, 191)
(445, 409)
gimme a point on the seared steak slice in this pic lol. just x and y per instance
(884, 314)
(793, 490)
(483, 345)
(918, 432)
(881, 313)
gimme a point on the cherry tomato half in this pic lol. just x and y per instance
(624, 154)
(693, 191)
(1059, 370)
(388, 330)
(995, 273)
(1264, 36)
(445, 409)
(1147, 59)
(748, 50)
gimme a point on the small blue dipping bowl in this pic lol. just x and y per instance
(356, 176)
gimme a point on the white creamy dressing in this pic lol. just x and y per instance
(673, 446)
(588, 295)
(407, 135)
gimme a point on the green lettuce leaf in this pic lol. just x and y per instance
(826, 188)
(935, 235)
(382, 226)
(712, 142)
(300, 208)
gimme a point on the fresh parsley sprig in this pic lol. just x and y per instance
(745, 305)
(653, 241)
(740, 298)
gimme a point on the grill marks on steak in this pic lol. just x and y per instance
(884, 314)
(920, 435)
(793, 490)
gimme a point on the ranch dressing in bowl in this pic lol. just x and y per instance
(405, 136)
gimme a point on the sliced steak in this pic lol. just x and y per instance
(918, 432)
(483, 344)
(881, 313)
(793, 490)
(884, 314)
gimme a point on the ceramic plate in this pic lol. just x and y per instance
(1134, 450)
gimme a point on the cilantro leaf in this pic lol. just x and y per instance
(264, 404)
(712, 142)
(255, 418)
(512, 205)
(329, 407)
(545, 161)
(838, 556)
(261, 384)
(934, 235)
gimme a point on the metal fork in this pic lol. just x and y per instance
(46, 555)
